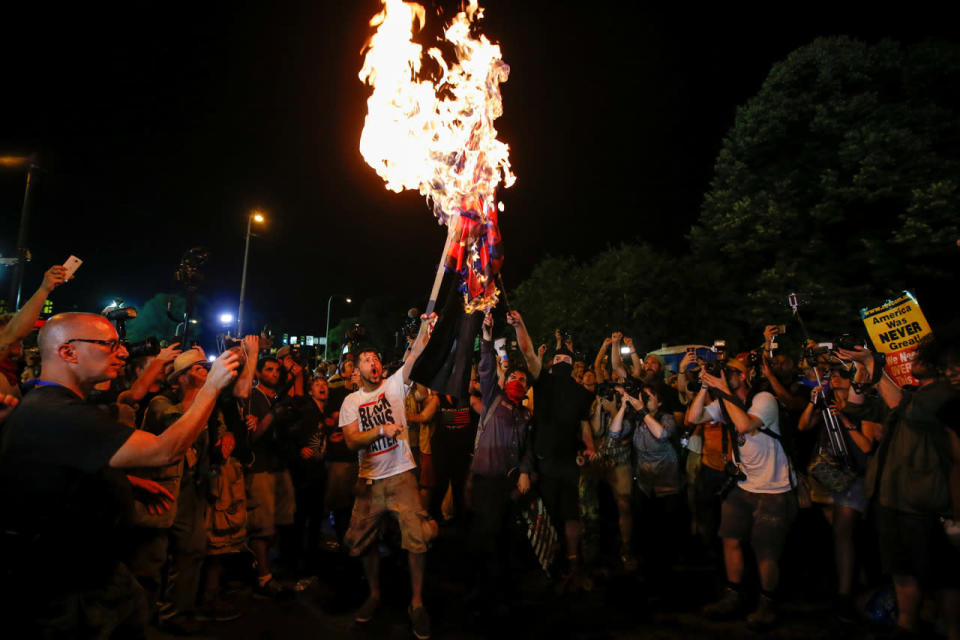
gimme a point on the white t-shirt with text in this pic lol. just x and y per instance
(385, 457)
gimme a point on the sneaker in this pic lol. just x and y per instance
(764, 616)
(219, 611)
(273, 590)
(420, 621)
(730, 605)
(367, 609)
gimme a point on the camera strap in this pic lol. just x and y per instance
(728, 435)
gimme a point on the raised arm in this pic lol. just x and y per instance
(534, 365)
(426, 325)
(21, 324)
(244, 383)
(599, 369)
(143, 449)
(888, 389)
(138, 390)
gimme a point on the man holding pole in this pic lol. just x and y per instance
(373, 419)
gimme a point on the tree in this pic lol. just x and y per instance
(653, 297)
(839, 180)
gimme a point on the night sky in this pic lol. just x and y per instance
(161, 125)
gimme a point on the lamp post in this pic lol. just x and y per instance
(255, 216)
(16, 283)
(326, 335)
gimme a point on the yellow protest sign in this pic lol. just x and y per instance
(896, 328)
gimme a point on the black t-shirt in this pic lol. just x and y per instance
(57, 489)
(266, 449)
(560, 404)
(337, 449)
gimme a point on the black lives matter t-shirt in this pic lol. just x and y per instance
(384, 405)
(58, 491)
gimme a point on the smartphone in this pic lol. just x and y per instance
(72, 264)
(782, 328)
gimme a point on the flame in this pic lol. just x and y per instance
(436, 137)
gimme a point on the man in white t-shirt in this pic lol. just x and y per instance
(374, 423)
(762, 507)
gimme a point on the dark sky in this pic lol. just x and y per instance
(160, 125)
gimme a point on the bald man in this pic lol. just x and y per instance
(65, 496)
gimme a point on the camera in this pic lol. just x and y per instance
(734, 475)
(713, 367)
(147, 347)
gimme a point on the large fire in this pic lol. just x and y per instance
(438, 136)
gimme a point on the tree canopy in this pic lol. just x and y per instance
(839, 180)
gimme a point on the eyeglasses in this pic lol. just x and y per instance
(113, 344)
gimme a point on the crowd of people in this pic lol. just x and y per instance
(131, 486)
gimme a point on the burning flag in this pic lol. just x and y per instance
(437, 135)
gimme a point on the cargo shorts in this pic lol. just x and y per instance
(270, 502)
(375, 499)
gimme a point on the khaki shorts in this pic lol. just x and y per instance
(398, 495)
(270, 502)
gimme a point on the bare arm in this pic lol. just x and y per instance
(428, 411)
(419, 345)
(889, 391)
(21, 324)
(138, 390)
(357, 439)
(598, 368)
(534, 365)
(144, 449)
(696, 412)
(244, 383)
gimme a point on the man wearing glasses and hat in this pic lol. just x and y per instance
(65, 493)
(183, 528)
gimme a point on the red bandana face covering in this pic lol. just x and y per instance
(515, 391)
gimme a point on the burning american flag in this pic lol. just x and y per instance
(436, 134)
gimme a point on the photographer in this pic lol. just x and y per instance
(656, 471)
(762, 507)
(270, 494)
(914, 479)
(148, 375)
(847, 506)
(292, 382)
(612, 467)
(183, 529)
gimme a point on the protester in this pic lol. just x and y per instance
(502, 462)
(374, 424)
(563, 429)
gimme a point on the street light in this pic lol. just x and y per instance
(255, 216)
(326, 335)
(226, 318)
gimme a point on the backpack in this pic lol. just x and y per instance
(910, 471)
